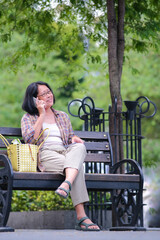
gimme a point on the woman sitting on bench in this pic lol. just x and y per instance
(62, 152)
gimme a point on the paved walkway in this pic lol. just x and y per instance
(78, 235)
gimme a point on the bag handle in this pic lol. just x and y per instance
(40, 144)
(41, 135)
(4, 140)
(44, 139)
(31, 152)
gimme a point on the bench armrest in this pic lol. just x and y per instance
(129, 166)
(127, 204)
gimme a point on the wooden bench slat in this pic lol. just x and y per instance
(92, 135)
(97, 146)
(6, 131)
(91, 157)
(90, 177)
(97, 182)
(112, 177)
(101, 158)
(53, 184)
(37, 175)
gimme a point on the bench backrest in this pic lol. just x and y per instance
(98, 145)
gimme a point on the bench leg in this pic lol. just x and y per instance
(127, 204)
(126, 210)
(6, 183)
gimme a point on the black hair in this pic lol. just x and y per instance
(32, 91)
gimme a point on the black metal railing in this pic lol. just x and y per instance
(95, 119)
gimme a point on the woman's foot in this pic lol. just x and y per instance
(64, 189)
(85, 224)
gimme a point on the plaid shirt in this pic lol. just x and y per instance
(63, 122)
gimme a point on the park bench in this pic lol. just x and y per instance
(125, 188)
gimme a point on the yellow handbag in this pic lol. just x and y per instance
(23, 156)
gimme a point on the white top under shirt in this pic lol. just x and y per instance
(54, 134)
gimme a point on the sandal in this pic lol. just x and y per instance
(66, 191)
(86, 228)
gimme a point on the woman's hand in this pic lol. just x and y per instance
(76, 139)
(40, 104)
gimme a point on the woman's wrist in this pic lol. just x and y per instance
(76, 139)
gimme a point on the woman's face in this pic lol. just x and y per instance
(45, 94)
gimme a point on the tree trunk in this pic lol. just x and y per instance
(115, 59)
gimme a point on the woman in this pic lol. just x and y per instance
(63, 152)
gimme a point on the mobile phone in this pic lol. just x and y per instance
(34, 100)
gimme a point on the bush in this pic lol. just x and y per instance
(47, 201)
(39, 201)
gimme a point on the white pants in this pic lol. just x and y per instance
(57, 158)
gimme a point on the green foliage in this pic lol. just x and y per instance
(142, 24)
(151, 152)
(143, 82)
(68, 80)
(53, 68)
(39, 201)
(41, 23)
(152, 211)
(41, 34)
(43, 201)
